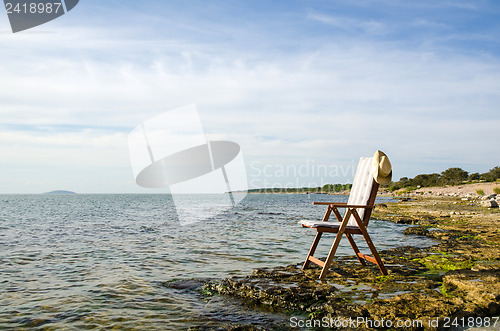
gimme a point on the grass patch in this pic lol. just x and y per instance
(480, 192)
(383, 278)
(496, 190)
(443, 262)
(467, 236)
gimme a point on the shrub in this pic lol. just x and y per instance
(491, 175)
(425, 180)
(496, 190)
(474, 176)
(394, 187)
(480, 192)
(454, 176)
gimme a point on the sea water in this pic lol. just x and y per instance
(104, 261)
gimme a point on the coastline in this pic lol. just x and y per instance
(454, 280)
(460, 190)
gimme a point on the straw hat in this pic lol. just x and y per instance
(382, 169)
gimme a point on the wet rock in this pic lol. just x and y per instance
(348, 286)
(188, 284)
(436, 233)
(404, 220)
(416, 230)
(292, 289)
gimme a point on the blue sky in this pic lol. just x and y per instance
(298, 84)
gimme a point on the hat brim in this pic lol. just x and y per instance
(382, 180)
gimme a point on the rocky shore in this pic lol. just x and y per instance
(454, 284)
(462, 191)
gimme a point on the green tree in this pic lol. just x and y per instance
(491, 175)
(425, 180)
(328, 188)
(474, 176)
(454, 176)
(404, 181)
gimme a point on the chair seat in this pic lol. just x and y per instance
(329, 226)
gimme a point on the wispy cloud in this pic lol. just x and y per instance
(286, 89)
(345, 23)
(422, 22)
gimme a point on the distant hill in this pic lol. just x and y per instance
(60, 192)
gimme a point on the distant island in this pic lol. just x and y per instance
(60, 192)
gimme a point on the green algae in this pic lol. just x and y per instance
(444, 262)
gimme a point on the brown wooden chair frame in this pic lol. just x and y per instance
(348, 231)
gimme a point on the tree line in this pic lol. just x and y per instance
(451, 176)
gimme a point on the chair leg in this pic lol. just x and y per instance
(349, 237)
(312, 250)
(375, 254)
(335, 245)
(333, 250)
(355, 248)
(317, 238)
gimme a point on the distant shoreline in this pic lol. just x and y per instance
(277, 192)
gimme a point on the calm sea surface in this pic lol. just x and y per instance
(112, 261)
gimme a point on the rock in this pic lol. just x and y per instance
(489, 197)
(417, 230)
(489, 204)
(475, 287)
(436, 233)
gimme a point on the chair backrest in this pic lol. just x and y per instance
(363, 191)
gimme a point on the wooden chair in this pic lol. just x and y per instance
(355, 221)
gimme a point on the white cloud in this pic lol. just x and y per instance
(330, 100)
(346, 23)
(422, 22)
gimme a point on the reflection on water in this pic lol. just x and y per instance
(78, 261)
